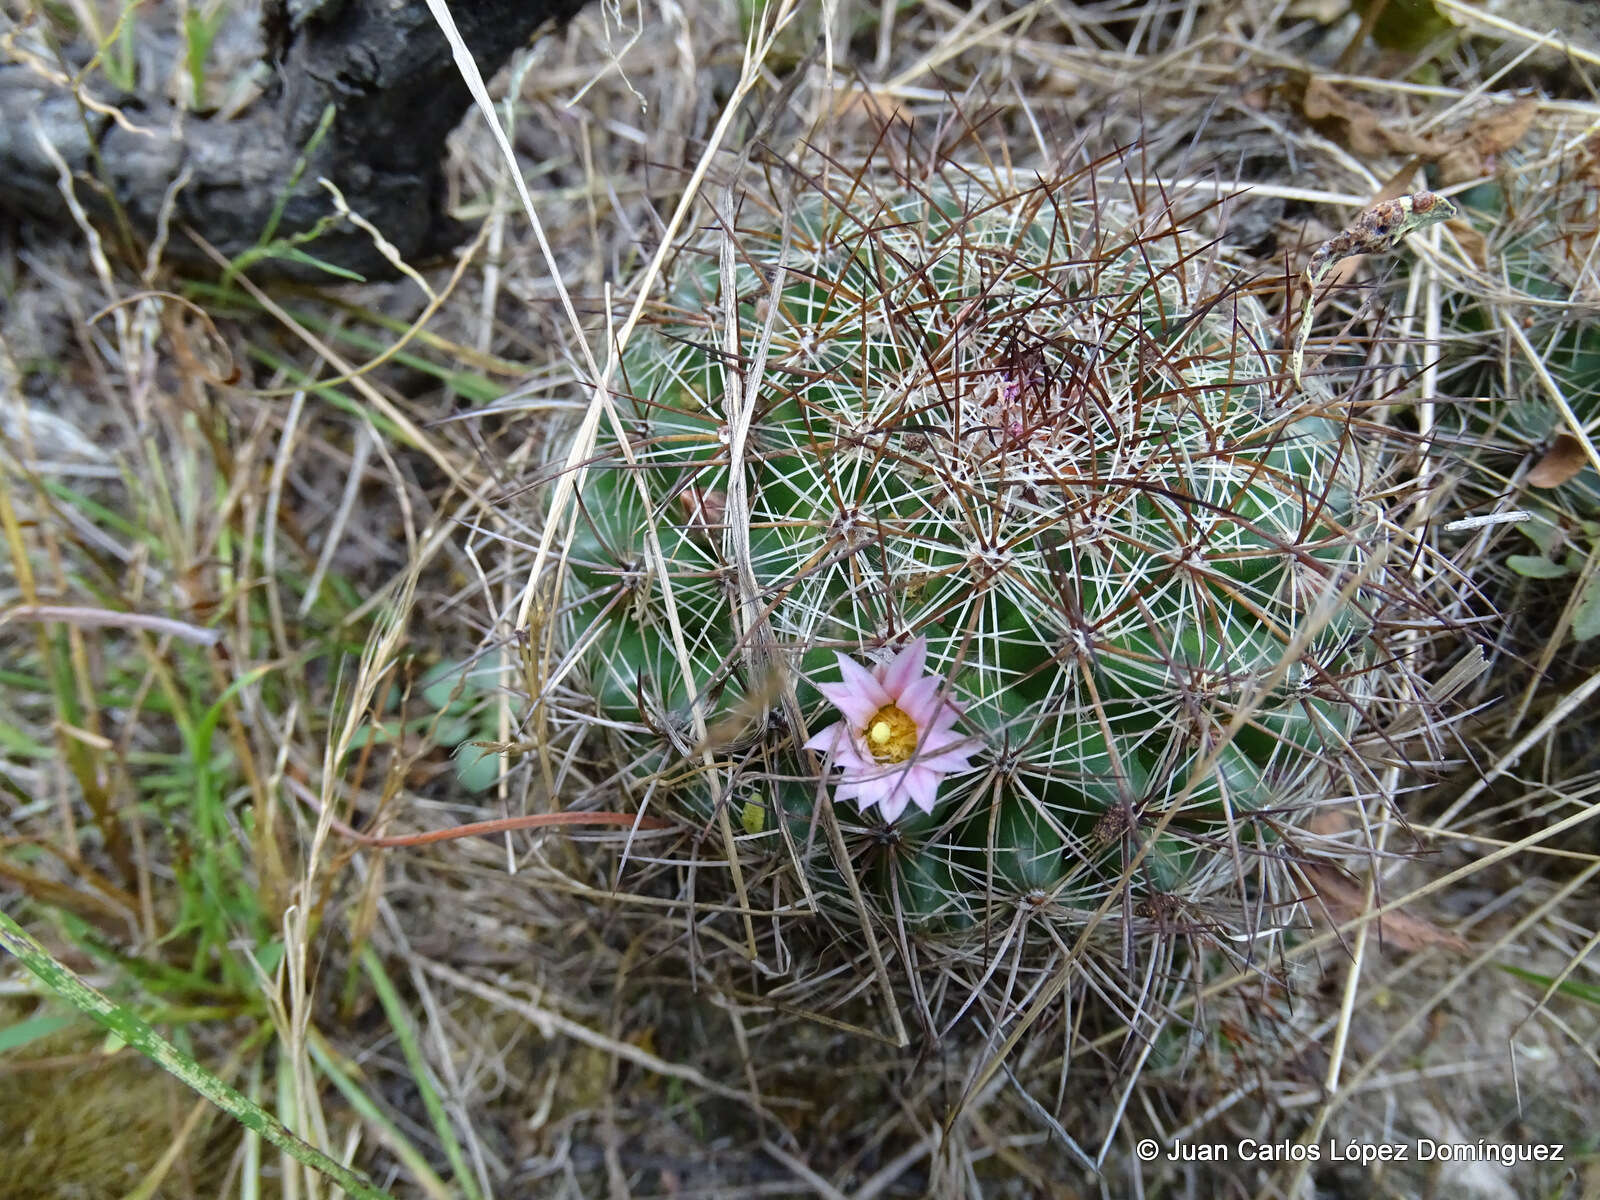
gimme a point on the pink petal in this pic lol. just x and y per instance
(851, 755)
(892, 805)
(928, 703)
(937, 742)
(921, 700)
(844, 747)
(849, 700)
(905, 670)
(826, 741)
(873, 791)
(949, 714)
(947, 762)
(862, 682)
(922, 785)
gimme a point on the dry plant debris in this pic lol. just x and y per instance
(1377, 230)
(239, 610)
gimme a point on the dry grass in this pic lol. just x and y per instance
(273, 588)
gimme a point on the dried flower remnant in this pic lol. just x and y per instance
(897, 740)
(1376, 230)
(704, 509)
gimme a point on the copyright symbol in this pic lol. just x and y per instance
(1147, 1150)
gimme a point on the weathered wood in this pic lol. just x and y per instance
(383, 66)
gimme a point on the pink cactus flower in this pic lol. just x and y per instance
(897, 740)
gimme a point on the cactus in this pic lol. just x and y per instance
(1043, 428)
(1541, 251)
(1523, 346)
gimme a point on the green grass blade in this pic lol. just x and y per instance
(424, 1176)
(14, 1037)
(406, 1034)
(1575, 988)
(136, 1033)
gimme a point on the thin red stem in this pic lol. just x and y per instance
(503, 825)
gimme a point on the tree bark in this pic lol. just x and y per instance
(383, 69)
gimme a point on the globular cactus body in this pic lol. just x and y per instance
(1522, 349)
(1044, 429)
(1541, 250)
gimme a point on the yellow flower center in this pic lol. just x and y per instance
(891, 735)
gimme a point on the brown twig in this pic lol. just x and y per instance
(502, 825)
